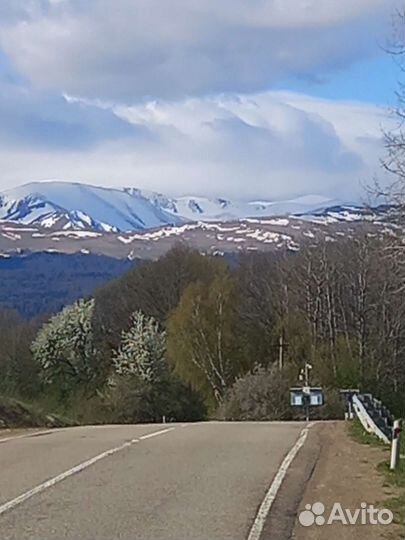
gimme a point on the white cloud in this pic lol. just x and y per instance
(174, 95)
(267, 145)
(128, 50)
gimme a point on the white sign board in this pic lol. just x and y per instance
(306, 395)
(297, 400)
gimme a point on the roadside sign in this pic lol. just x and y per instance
(306, 397)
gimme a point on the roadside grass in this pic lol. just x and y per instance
(392, 479)
(395, 479)
(15, 413)
(48, 411)
(360, 435)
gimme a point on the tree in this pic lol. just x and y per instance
(144, 389)
(262, 282)
(393, 255)
(350, 307)
(65, 350)
(18, 370)
(153, 287)
(202, 342)
(142, 350)
(394, 162)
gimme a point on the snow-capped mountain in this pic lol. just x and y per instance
(202, 209)
(76, 206)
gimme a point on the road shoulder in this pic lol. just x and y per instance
(346, 472)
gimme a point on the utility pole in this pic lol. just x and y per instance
(281, 351)
(308, 367)
(281, 346)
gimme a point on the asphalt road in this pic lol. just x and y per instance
(182, 482)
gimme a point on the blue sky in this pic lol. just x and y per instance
(261, 99)
(373, 80)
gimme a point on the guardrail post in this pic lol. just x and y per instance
(395, 445)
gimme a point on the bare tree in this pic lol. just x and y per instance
(394, 161)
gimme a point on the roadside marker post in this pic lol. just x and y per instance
(395, 445)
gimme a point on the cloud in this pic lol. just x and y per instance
(269, 145)
(37, 120)
(131, 50)
(175, 96)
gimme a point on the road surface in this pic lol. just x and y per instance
(201, 481)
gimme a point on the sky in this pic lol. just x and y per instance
(247, 99)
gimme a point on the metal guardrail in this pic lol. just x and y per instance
(378, 420)
(374, 417)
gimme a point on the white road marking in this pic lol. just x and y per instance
(74, 470)
(30, 434)
(155, 434)
(261, 516)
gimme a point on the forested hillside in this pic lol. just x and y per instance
(189, 335)
(42, 283)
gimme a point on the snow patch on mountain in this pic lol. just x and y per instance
(200, 208)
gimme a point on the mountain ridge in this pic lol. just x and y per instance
(78, 206)
(287, 233)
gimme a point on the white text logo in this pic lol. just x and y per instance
(315, 514)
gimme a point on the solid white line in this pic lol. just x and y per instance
(74, 470)
(51, 482)
(27, 435)
(261, 517)
(155, 434)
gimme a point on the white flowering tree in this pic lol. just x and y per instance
(142, 350)
(64, 347)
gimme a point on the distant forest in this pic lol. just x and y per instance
(42, 283)
(191, 336)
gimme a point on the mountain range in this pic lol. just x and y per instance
(76, 206)
(128, 223)
(59, 241)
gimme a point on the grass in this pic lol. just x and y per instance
(393, 478)
(396, 479)
(360, 435)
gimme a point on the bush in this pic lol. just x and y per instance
(134, 401)
(333, 409)
(260, 395)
